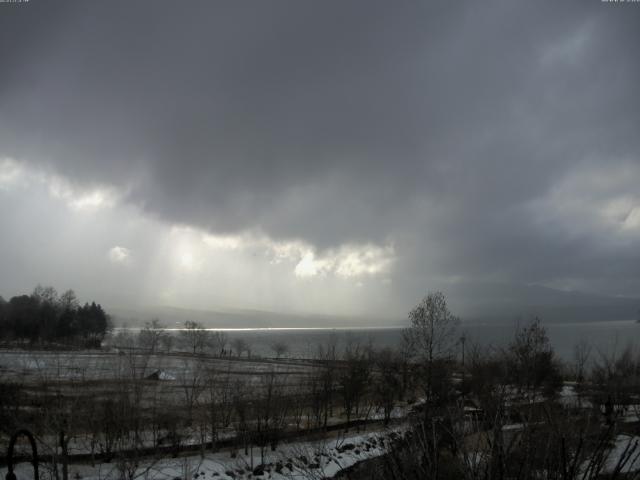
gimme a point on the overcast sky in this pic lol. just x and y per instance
(337, 157)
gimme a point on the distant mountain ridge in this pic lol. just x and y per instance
(238, 318)
(549, 304)
(486, 302)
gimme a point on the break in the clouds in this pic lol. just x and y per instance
(320, 156)
(68, 239)
(119, 254)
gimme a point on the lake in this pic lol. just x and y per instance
(605, 337)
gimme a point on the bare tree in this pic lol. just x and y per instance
(270, 412)
(242, 406)
(217, 386)
(323, 381)
(151, 336)
(219, 342)
(433, 327)
(192, 380)
(240, 345)
(354, 379)
(404, 356)
(581, 357)
(387, 383)
(616, 379)
(531, 360)
(433, 332)
(68, 300)
(166, 342)
(280, 349)
(194, 337)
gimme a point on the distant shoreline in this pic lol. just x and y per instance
(269, 329)
(464, 323)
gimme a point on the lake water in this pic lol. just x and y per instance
(604, 337)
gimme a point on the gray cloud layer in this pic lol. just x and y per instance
(488, 141)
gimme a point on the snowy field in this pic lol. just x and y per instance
(34, 366)
(296, 460)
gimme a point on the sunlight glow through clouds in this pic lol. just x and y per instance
(191, 250)
(186, 251)
(13, 173)
(309, 266)
(188, 261)
(347, 261)
(82, 200)
(186, 266)
(119, 255)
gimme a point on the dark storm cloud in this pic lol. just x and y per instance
(439, 126)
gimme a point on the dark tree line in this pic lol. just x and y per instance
(45, 317)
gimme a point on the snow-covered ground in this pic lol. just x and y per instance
(569, 397)
(296, 460)
(623, 456)
(36, 366)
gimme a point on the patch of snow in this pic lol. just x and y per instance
(626, 449)
(295, 460)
